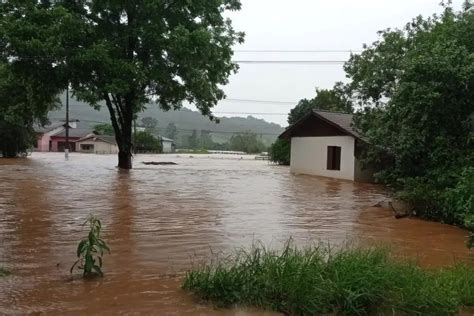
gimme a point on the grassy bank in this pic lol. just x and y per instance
(316, 281)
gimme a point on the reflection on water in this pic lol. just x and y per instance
(158, 218)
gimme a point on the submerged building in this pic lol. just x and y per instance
(325, 144)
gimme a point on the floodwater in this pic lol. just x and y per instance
(159, 219)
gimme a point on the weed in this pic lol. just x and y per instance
(91, 250)
(321, 280)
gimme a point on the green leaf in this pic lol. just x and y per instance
(80, 247)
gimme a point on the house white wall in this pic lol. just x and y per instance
(100, 147)
(167, 147)
(309, 156)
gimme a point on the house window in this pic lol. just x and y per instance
(87, 147)
(334, 158)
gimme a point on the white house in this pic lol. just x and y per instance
(167, 145)
(98, 144)
(325, 144)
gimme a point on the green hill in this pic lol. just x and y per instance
(185, 120)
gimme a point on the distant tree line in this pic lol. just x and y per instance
(246, 141)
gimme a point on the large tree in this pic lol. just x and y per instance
(126, 54)
(417, 87)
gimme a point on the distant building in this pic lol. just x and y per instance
(59, 141)
(167, 145)
(52, 137)
(97, 144)
(325, 144)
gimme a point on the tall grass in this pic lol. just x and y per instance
(321, 280)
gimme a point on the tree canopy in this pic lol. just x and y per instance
(126, 53)
(335, 99)
(417, 88)
(171, 131)
(146, 142)
(150, 124)
(22, 105)
(246, 142)
(104, 129)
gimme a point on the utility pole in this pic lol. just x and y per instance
(66, 149)
(135, 135)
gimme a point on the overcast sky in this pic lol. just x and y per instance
(305, 25)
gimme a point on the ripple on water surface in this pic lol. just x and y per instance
(158, 219)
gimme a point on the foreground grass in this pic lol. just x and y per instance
(320, 280)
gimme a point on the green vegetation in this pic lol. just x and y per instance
(4, 272)
(246, 142)
(334, 99)
(146, 142)
(104, 129)
(91, 250)
(171, 131)
(150, 124)
(22, 105)
(280, 152)
(320, 281)
(126, 54)
(417, 87)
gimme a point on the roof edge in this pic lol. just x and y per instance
(314, 112)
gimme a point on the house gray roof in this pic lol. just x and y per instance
(341, 121)
(51, 126)
(166, 139)
(75, 132)
(104, 138)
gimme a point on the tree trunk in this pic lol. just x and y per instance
(125, 146)
(125, 160)
(121, 115)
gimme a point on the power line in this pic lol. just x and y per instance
(252, 113)
(293, 62)
(259, 101)
(296, 51)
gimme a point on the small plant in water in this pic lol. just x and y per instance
(4, 272)
(91, 250)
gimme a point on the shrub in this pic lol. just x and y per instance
(91, 250)
(280, 152)
(321, 280)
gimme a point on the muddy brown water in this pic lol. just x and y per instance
(159, 219)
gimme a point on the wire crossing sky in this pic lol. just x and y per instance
(292, 47)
